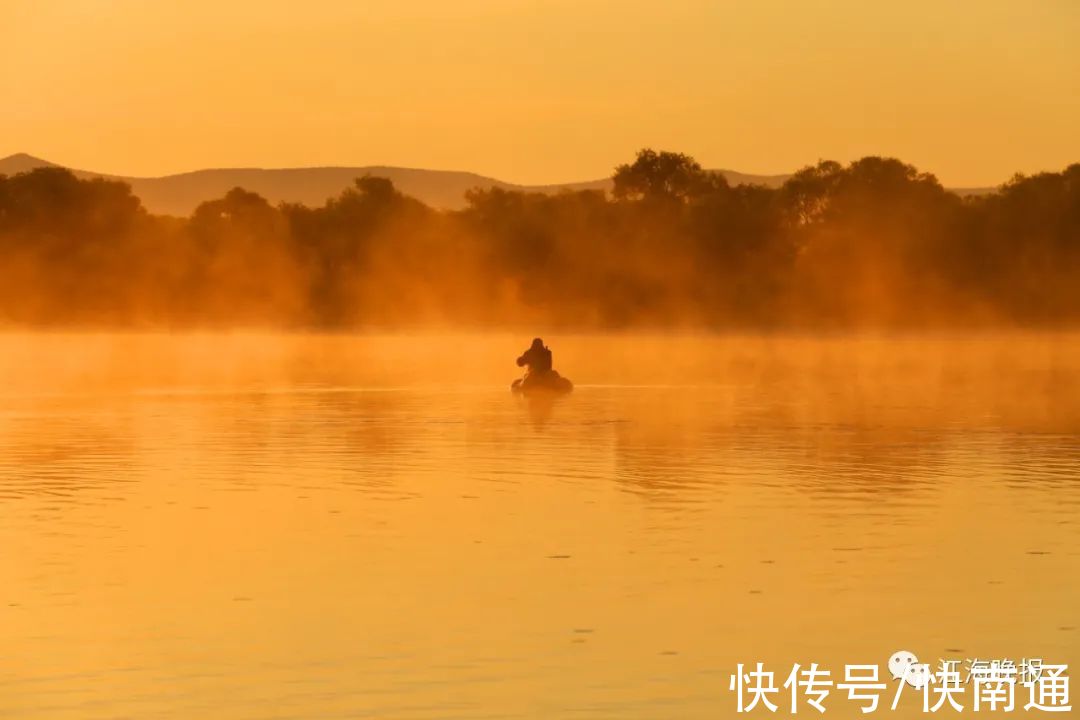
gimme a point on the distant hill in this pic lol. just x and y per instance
(180, 194)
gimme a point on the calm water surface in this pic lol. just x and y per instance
(245, 526)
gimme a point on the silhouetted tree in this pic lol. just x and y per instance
(874, 242)
(663, 176)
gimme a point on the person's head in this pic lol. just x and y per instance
(538, 343)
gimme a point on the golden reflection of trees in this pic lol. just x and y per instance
(62, 454)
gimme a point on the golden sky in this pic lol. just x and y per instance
(541, 90)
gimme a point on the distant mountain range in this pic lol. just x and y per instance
(180, 194)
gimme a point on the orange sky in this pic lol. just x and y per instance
(542, 91)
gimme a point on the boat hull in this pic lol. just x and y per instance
(553, 384)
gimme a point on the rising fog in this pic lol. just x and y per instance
(876, 243)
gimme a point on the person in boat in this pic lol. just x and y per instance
(539, 374)
(537, 362)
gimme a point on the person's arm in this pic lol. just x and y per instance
(522, 360)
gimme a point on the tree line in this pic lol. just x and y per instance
(875, 243)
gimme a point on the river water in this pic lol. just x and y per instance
(273, 526)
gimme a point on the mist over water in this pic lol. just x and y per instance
(874, 244)
(287, 526)
(260, 453)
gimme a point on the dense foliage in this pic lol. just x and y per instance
(873, 243)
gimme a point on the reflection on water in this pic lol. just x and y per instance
(298, 527)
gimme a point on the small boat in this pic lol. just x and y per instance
(549, 383)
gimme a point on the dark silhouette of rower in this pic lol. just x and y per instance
(537, 359)
(540, 377)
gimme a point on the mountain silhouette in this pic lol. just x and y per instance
(180, 194)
